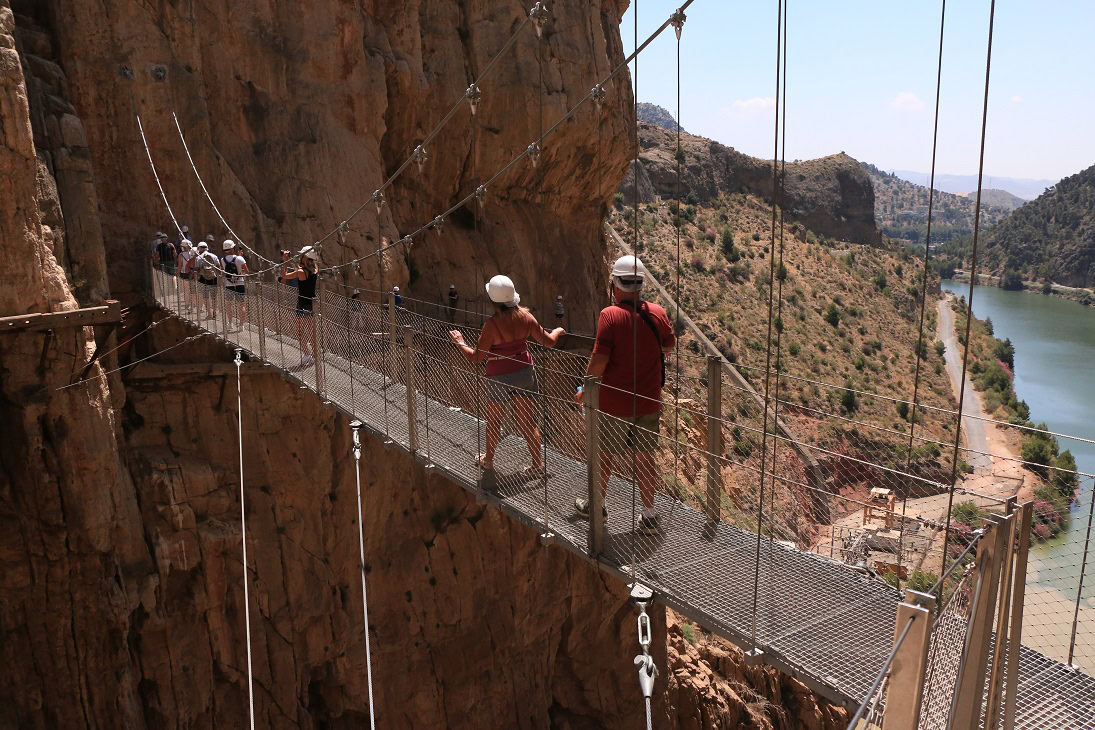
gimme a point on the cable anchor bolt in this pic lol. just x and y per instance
(533, 153)
(539, 16)
(677, 21)
(378, 198)
(481, 195)
(355, 429)
(473, 96)
(419, 157)
(598, 95)
(239, 357)
(437, 224)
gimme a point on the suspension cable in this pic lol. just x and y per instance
(920, 346)
(638, 299)
(973, 279)
(356, 429)
(243, 542)
(104, 374)
(677, 313)
(768, 347)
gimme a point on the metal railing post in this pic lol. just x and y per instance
(259, 300)
(412, 400)
(970, 687)
(1080, 587)
(906, 689)
(996, 678)
(1018, 597)
(392, 331)
(222, 295)
(317, 343)
(592, 390)
(713, 508)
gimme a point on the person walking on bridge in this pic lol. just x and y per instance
(511, 375)
(633, 338)
(235, 268)
(306, 276)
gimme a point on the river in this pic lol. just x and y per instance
(1054, 341)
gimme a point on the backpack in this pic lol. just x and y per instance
(205, 269)
(167, 252)
(653, 328)
(230, 266)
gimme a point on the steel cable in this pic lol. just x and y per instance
(243, 542)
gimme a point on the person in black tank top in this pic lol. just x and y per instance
(306, 276)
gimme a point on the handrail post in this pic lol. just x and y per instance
(714, 438)
(412, 400)
(1018, 597)
(592, 401)
(392, 329)
(1080, 586)
(996, 678)
(222, 294)
(317, 340)
(970, 687)
(906, 689)
(258, 306)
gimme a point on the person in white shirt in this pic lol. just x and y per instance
(185, 257)
(235, 267)
(205, 265)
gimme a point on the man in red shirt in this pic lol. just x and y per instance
(633, 338)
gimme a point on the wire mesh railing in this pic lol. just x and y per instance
(733, 534)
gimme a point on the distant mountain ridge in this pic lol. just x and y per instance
(901, 209)
(658, 116)
(1025, 188)
(999, 198)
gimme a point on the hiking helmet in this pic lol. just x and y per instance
(628, 274)
(203, 246)
(186, 245)
(500, 289)
(185, 229)
(209, 238)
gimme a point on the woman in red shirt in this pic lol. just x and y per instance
(511, 374)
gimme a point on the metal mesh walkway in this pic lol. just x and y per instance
(818, 619)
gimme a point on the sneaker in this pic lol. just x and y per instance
(649, 525)
(581, 506)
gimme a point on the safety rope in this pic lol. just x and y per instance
(768, 346)
(355, 428)
(973, 280)
(923, 291)
(235, 236)
(677, 313)
(120, 345)
(243, 542)
(104, 374)
(543, 252)
(635, 314)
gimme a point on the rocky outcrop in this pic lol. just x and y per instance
(296, 114)
(712, 688)
(831, 195)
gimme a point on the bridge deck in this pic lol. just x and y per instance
(817, 619)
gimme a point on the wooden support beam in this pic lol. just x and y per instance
(109, 313)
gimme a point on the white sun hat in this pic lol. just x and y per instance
(628, 274)
(228, 245)
(309, 252)
(500, 289)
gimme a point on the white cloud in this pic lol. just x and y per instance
(747, 108)
(1016, 99)
(907, 101)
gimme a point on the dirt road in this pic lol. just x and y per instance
(972, 428)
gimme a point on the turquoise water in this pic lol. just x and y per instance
(1054, 342)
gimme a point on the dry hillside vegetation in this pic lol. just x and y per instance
(849, 318)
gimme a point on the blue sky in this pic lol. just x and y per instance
(861, 78)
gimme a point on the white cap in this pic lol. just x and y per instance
(309, 252)
(452, 286)
(186, 245)
(209, 238)
(628, 274)
(185, 229)
(560, 297)
(229, 245)
(355, 292)
(395, 288)
(500, 289)
(203, 244)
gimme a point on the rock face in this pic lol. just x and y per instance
(831, 195)
(295, 115)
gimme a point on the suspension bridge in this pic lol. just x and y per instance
(724, 558)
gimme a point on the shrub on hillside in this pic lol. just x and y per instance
(940, 348)
(902, 409)
(848, 401)
(968, 513)
(1039, 448)
(710, 235)
(1066, 480)
(1005, 352)
(879, 281)
(832, 315)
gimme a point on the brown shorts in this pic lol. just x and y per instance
(621, 435)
